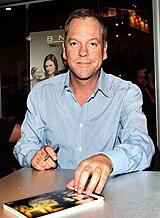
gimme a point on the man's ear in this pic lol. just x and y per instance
(64, 51)
(105, 51)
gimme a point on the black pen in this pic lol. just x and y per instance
(55, 148)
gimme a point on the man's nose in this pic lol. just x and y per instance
(83, 51)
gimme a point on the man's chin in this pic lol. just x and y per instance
(83, 77)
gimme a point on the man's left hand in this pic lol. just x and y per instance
(97, 168)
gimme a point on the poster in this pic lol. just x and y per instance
(42, 44)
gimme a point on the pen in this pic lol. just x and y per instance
(55, 148)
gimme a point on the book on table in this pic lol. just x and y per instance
(53, 204)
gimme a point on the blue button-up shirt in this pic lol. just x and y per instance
(110, 122)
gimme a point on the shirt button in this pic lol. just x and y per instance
(81, 125)
(80, 149)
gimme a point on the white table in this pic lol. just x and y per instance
(134, 195)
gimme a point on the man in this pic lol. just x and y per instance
(95, 118)
(149, 104)
(142, 79)
(149, 109)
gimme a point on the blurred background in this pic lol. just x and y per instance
(129, 26)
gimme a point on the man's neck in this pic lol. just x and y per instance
(83, 89)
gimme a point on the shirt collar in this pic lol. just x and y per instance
(102, 84)
(67, 82)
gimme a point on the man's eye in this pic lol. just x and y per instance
(74, 44)
(93, 44)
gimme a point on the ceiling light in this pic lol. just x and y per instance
(8, 9)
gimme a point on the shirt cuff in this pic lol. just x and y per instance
(29, 158)
(119, 161)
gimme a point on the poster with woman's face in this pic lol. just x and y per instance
(45, 54)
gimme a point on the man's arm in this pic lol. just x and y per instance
(31, 149)
(133, 151)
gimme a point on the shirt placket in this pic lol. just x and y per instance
(80, 134)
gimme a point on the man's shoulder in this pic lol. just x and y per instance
(52, 85)
(114, 85)
(115, 80)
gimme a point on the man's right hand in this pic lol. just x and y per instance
(40, 163)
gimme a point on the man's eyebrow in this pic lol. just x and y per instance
(88, 39)
(72, 39)
(95, 39)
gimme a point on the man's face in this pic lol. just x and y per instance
(83, 49)
(141, 78)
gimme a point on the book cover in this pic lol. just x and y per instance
(53, 204)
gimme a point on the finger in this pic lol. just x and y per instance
(49, 150)
(81, 179)
(70, 184)
(77, 174)
(50, 157)
(102, 181)
(94, 181)
(49, 163)
(36, 164)
(44, 165)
